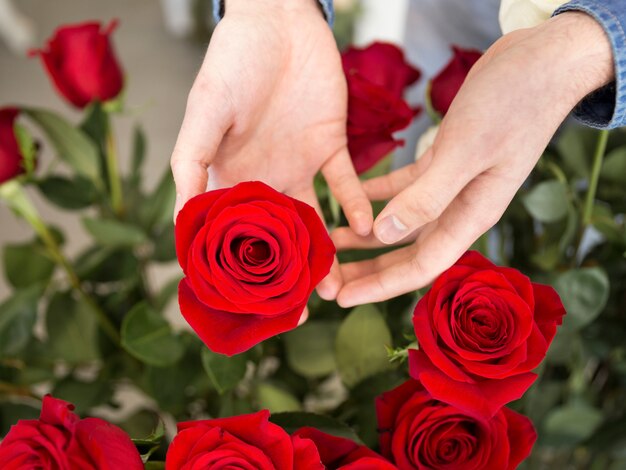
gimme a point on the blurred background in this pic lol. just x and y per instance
(161, 52)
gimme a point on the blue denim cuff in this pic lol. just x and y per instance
(605, 108)
(327, 6)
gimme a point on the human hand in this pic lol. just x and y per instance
(503, 117)
(270, 104)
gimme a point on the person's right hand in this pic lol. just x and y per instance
(270, 104)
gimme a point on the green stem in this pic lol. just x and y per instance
(17, 199)
(598, 158)
(115, 182)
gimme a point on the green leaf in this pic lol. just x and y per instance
(360, 345)
(363, 399)
(84, 395)
(584, 293)
(67, 193)
(155, 465)
(276, 399)
(571, 424)
(139, 152)
(292, 421)
(158, 207)
(72, 329)
(17, 319)
(27, 264)
(167, 292)
(614, 166)
(155, 436)
(11, 412)
(95, 123)
(547, 202)
(225, 372)
(71, 144)
(148, 336)
(164, 244)
(28, 148)
(571, 147)
(106, 264)
(109, 232)
(310, 348)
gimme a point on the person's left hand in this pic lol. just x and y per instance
(504, 116)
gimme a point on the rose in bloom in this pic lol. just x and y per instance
(377, 77)
(252, 257)
(420, 432)
(481, 329)
(518, 14)
(59, 439)
(246, 441)
(81, 62)
(447, 83)
(337, 453)
(11, 159)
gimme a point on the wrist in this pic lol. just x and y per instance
(273, 6)
(582, 50)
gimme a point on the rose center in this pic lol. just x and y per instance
(451, 442)
(478, 325)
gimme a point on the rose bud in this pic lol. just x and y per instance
(251, 257)
(11, 158)
(246, 441)
(519, 14)
(377, 77)
(60, 439)
(481, 330)
(82, 64)
(419, 432)
(381, 64)
(447, 83)
(337, 453)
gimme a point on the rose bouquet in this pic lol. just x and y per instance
(474, 372)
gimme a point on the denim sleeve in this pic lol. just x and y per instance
(327, 6)
(605, 108)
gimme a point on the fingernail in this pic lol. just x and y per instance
(390, 230)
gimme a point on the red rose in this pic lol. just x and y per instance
(381, 64)
(11, 159)
(252, 257)
(337, 453)
(481, 329)
(82, 64)
(59, 439)
(419, 432)
(376, 77)
(247, 441)
(447, 83)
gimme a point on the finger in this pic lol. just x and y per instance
(387, 186)
(304, 317)
(207, 118)
(360, 269)
(344, 238)
(477, 209)
(423, 201)
(331, 284)
(347, 189)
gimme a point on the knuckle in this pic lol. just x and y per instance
(425, 206)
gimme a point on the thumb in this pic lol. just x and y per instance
(420, 203)
(208, 117)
